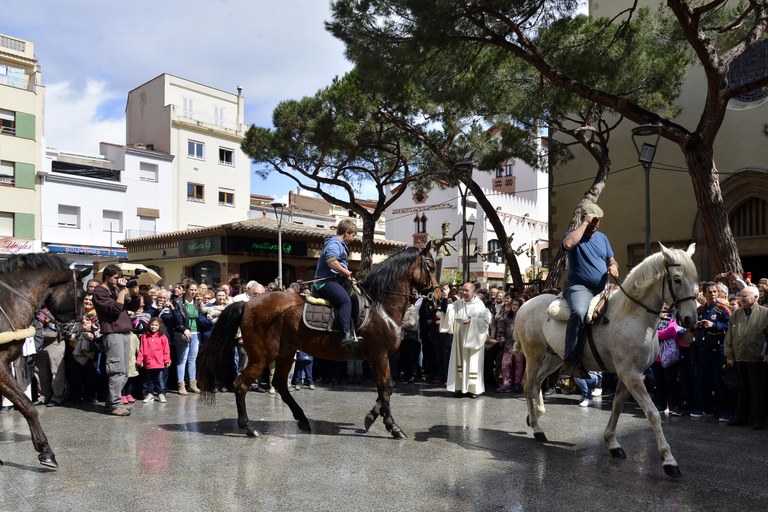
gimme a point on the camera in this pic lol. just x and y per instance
(133, 283)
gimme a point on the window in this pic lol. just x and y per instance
(69, 216)
(195, 192)
(7, 173)
(226, 156)
(187, 107)
(6, 224)
(147, 172)
(195, 149)
(112, 221)
(7, 122)
(226, 197)
(500, 172)
(147, 225)
(509, 169)
(218, 116)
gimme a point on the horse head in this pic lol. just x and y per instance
(423, 276)
(681, 283)
(65, 300)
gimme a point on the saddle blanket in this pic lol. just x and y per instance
(320, 316)
(559, 309)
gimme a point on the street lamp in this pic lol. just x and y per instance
(467, 237)
(645, 155)
(279, 207)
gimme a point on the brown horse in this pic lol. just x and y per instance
(27, 284)
(272, 330)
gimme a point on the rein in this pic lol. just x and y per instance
(668, 280)
(13, 290)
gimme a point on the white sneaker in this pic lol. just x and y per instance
(161, 398)
(597, 391)
(149, 398)
(587, 402)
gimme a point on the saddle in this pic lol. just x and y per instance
(320, 315)
(559, 309)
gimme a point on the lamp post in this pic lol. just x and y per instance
(465, 167)
(279, 207)
(645, 155)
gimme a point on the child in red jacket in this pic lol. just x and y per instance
(155, 357)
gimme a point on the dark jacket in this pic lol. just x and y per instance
(180, 314)
(113, 316)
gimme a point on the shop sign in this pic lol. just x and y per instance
(10, 245)
(200, 246)
(259, 246)
(104, 252)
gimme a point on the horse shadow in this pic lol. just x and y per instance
(287, 429)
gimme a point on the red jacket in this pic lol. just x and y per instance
(154, 351)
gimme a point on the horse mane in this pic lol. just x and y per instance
(650, 270)
(383, 277)
(36, 261)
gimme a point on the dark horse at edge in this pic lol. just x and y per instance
(272, 330)
(29, 283)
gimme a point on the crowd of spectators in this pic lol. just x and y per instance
(721, 371)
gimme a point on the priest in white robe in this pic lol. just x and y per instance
(468, 321)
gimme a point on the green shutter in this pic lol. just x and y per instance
(25, 175)
(24, 225)
(25, 125)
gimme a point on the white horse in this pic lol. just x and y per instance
(627, 344)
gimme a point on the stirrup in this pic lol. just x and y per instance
(350, 338)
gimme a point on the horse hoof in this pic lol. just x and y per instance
(369, 419)
(48, 460)
(304, 425)
(251, 432)
(618, 453)
(672, 471)
(399, 434)
(540, 437)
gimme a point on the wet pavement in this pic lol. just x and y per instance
(461, 454)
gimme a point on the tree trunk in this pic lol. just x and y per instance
(714, 218)
(366, 253)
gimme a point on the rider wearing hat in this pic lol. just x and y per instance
(590, 260)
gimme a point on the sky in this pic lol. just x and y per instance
(93, 52)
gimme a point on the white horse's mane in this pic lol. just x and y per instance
(649, 271)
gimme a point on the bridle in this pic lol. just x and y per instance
(668, 279)
(36, 306)
(424, 271)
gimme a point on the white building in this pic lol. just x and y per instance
(519, 195)
(202, 127)
(91, 202)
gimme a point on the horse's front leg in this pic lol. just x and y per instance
(10, 390)
(637, 389)
(384, 386)
(610, 430)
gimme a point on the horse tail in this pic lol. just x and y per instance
(216, 355)
(517, 347)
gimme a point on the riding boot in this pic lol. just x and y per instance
(348, 338)
(182, 389)
(193, 386)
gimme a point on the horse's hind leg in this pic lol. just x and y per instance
(634, 383)
(280, 383)
(534, 377)
(242, 385)
(384, 385)
(10, 390)
(374, 413)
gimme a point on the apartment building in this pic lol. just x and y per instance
(21, 130)
(202, 127)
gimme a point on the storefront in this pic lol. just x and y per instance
(246, 249)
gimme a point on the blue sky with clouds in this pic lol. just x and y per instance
(93, 52)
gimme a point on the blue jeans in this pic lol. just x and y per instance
(578, 297)
(335, 292)
(186, 355)
(155, 381)
(585, 384)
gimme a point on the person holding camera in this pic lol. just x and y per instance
(708, 335)
(113, 299)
